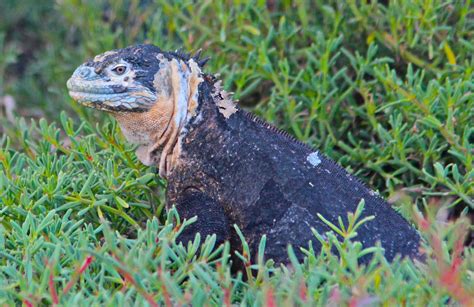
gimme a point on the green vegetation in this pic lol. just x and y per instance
(384, 89)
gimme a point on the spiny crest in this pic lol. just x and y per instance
(185, 56)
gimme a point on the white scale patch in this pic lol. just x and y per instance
(313, 158)
(224, 100)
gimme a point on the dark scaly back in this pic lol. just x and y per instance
(291, 138)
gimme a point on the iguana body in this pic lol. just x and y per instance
(225, 165)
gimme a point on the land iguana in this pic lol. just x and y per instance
(225, 165)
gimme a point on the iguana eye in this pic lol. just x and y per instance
(119, 69)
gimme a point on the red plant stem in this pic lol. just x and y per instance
(52, 288)
(449, 276)
(86, 264)
(27, 303)
(303, 291)
(166, 295)
(227, 302)
(75, 276)
(270, 299)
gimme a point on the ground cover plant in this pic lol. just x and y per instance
(385, 89)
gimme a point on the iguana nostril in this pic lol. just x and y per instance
(84, 72)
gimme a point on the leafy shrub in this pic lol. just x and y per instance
(386, 89)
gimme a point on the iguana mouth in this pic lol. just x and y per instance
(93, 95)
(104, 101)
(95, 90)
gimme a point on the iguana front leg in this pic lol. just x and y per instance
(211, 218)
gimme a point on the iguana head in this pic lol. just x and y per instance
(151, 93)
(124, 80)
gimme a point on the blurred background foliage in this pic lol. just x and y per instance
(383, 87)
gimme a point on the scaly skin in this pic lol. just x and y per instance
(225, 165)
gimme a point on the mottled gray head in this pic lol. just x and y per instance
(121, 80)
